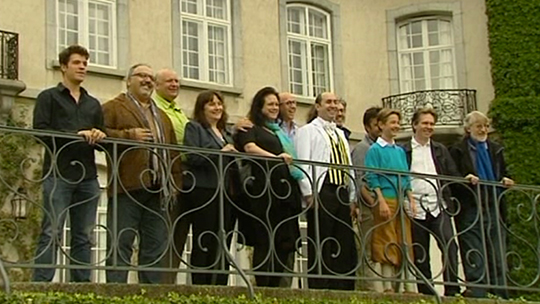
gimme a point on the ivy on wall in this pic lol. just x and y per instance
(18, 170)
(514, 38)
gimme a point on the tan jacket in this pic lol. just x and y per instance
(121, 117)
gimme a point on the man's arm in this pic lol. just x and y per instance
(302, 143)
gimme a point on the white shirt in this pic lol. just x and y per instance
(313, 143)
(424, 189)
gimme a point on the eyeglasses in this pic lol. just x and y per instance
(144, 75)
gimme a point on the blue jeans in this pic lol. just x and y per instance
(80, 200)
(138, 214)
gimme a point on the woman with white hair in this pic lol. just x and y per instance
(481, 215)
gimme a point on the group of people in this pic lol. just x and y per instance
(156, 193)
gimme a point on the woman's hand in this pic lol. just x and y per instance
(286, 158)
(384, 210)
(229, 148)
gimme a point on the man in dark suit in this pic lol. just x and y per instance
(143, 186)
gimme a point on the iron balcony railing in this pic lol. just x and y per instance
(451, 105)
(504, 257)
(9, 55)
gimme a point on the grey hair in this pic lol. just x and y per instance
(133, 67)
(343, 102)
(473, 118)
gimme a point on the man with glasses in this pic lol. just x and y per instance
(142, 188)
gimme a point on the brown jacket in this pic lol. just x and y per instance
(121, 117)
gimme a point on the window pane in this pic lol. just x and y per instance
(418, 58)
(433, 39)
(417, 41)
(190, 6)
(317, 24)
(99, 26)
(217, 56)
(419, 72)
(190, 49)
(416, 27)
(319, 62)
(297, 67)
(72, 22)
(434, 57)
(72, 38)
(433, 25)
(216, 9)
(296, 20)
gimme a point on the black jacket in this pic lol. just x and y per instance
(467, 165)
(205, 167)
(444, 164)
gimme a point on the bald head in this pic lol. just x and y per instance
(167, 84)
(287, 106)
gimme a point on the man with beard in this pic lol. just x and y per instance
(479, 224)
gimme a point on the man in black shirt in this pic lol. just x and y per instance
(70, 182)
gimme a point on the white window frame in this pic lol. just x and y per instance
(425, 49)
(205, 21)
(308, 86)
(83, 26)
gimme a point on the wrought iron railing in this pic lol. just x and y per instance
(9, 55)
(451, 105)
(234, 211)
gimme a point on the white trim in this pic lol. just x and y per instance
(308, 85)
(425, 50)
(204, 21)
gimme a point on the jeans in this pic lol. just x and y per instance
(482, 266)
(138, 214)
(80, 200)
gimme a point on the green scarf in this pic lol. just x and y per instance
(288, 147)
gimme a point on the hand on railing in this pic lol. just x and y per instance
(92, 136)
(507, 182)
(473, 179)
(229, 148)
(286, 158)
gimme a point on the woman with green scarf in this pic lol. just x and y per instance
(275, 200)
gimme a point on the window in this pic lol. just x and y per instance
(91, 23)
(309, 46)
(426, 54)
(206, 40)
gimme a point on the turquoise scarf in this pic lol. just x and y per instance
(288, 147)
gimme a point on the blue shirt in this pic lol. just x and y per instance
(383, 155)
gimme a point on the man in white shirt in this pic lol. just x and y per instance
(330, 196)
(434, 205)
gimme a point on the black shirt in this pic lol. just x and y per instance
(57, 110)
